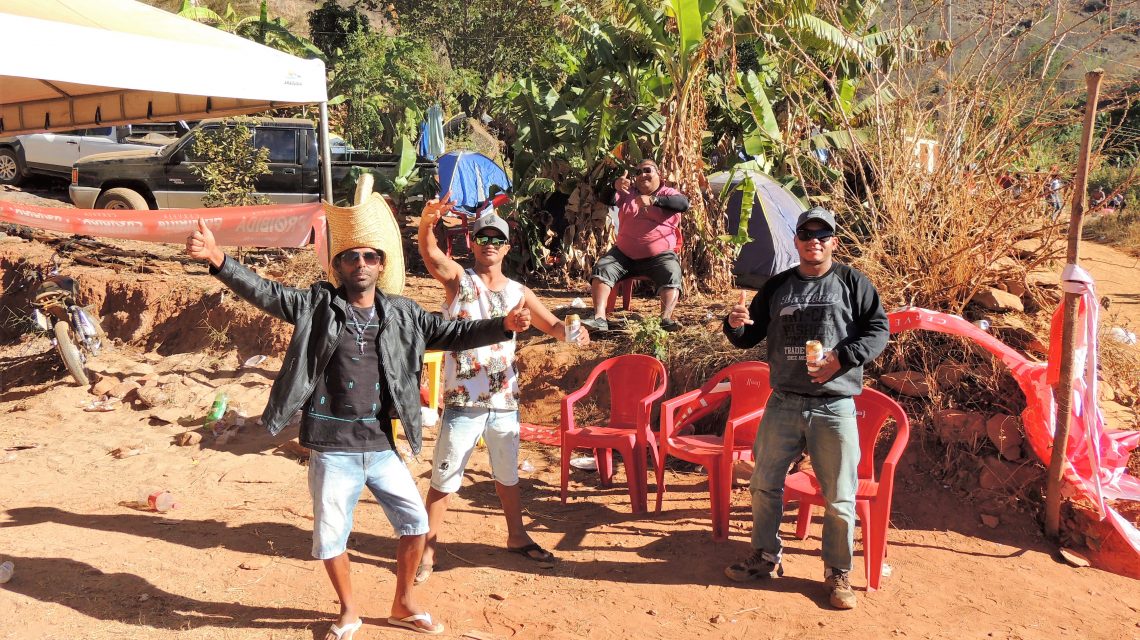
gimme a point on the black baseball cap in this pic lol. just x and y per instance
(817, 213)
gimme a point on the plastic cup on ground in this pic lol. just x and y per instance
(6, 571)
(159, 500)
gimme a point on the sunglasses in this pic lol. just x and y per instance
(644, 170)
(494, 241)
(371, 258)
(807, 235)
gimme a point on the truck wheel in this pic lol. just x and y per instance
(121, 198)
(11, 169)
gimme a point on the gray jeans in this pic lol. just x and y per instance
(828, 429)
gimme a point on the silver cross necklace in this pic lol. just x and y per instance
(360, 328)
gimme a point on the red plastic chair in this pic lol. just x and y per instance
(635, 382)
(624, 287)
(745, 387)
(873, 497)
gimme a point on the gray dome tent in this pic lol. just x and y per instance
(771, 227)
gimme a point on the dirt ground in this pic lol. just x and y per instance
(232, 560)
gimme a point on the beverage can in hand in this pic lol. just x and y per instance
(573, 325)
(813, 355)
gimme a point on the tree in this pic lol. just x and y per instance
(229, 165)
(260, 28)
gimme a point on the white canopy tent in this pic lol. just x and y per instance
(84, 63)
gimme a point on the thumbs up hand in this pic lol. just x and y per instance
(739, 316)
(518, 320)
(201, 245)
(621, 185)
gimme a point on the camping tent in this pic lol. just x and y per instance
(73, 64)
(469, 176)
(771, 227)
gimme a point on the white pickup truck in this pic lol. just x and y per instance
(53, 154)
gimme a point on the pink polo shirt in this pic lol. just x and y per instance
(644, 234)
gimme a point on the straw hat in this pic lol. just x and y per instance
(368, 224)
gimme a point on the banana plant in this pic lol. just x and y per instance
(260, 27)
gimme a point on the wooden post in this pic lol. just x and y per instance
(1063, 393)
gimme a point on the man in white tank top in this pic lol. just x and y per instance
(480, 393)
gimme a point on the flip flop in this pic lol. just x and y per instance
(423, 572)
(347, 631)
(410, 623)
(544, 558)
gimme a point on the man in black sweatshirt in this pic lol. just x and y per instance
(811, 403)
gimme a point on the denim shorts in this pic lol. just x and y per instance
(335, 482)
(458, 434)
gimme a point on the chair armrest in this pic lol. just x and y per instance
(669, 411)
(567, 423)
(902, 437)
(739, 421)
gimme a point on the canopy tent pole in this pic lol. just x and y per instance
(326, 171)
(326, 156)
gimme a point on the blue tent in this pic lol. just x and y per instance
(772, 226)
(469, 176)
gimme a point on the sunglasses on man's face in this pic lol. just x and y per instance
(644, 170)
(371, 258)
(494, 241)
(807, 235)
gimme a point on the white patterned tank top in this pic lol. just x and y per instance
(483, 377)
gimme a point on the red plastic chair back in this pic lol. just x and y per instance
(744, 385)
(631, 378)
(872, 410)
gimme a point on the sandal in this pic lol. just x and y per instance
(535, 553)
(412, 622)
(423, 572)
(347, 631)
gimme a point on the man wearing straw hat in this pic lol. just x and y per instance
(352, 366)
(481, 387)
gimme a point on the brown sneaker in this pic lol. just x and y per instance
(755, 567)
(842, 595)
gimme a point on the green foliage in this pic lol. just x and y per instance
(272, 32)
(229, 165)
(387, 83)
(331, 24)
(649, 338)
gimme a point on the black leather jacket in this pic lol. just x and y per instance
(319, 315)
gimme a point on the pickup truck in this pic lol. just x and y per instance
(166, 180)
(53, 154)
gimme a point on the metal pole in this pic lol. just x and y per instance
(326, 174)
(326, 156)
(1063, 393)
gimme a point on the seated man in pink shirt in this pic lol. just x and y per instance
(648, 219)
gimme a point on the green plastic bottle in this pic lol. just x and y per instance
(217, 410)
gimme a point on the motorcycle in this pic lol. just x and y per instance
(75, 331)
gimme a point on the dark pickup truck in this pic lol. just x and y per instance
(164, 179)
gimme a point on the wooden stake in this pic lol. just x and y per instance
(1063, 393)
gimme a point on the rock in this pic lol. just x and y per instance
(997, 474)
(990, 521)
(123, 389)
(908, 383)
(155, 395)
(949, 375)
(1106, 392)
(1005, 432)
(998, 300)
(1029, 247)
(1016, 286)
(104, 386)
(953, 425)
(718, 619)
(1045, 279)
(1075, 559)
(188, 438)
(294, 448)
(495, 595)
